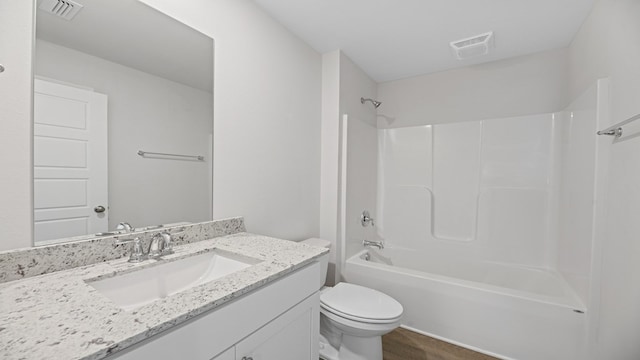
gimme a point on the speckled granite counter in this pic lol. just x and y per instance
(60, 316)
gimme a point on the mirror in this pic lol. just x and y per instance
(123, 119)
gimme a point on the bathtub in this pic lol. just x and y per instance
(507, 311)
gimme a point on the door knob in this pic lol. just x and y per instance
(99, 209)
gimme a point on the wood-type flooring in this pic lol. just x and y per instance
(402, 344)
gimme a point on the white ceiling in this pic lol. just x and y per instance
(133, 34)
(393, 39)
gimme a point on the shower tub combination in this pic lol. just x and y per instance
(490, 226)
(508, 311)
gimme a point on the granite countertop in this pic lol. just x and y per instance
(60, 316)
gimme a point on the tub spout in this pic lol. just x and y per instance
(378, 244)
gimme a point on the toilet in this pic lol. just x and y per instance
(353, 318)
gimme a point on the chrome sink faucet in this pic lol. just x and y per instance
(161, 244)
(125, 227)
(378, 244)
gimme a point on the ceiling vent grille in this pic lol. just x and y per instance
(65, 9)
(474, 46)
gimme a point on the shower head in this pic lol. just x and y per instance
(374, 102)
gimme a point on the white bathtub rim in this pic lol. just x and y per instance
(576, 304)
(458, 343)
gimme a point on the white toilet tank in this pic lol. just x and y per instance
(324, 260)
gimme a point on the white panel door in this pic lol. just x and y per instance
(70, 161)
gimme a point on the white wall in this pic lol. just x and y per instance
(344, 83)
(361, 182)
(608, 45)
(16, 189)
(145, 112)
(355, 84)
(361, 155)
(330, 149)
(330, 145)
(531, 84)
(267, 105)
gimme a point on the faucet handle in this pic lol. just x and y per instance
(137, 252)
(156, 246)
(366, 219)
(167, 246)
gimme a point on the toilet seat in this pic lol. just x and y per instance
(339, 314)
(361, 304)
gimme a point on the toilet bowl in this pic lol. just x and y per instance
(353, 319)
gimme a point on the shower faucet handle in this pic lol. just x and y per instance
(366, 219)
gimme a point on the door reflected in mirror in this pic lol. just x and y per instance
(123, 120)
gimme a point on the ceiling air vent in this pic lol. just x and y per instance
(65, 9)
(473, 46)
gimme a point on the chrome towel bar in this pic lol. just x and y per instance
(616, 130)
(193, 157)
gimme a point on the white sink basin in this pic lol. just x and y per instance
(135, 289)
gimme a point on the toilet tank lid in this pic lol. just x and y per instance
(317, 242)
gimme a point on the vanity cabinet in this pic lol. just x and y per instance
(279, 321)
(288, 337)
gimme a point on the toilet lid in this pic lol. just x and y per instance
(357, 301)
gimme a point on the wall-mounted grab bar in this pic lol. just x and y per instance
(616, 130)
(193, 157)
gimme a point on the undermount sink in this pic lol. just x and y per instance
(138, 288)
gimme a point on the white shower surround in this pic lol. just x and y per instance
(515, 284)
(481, 190)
